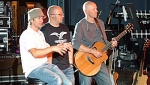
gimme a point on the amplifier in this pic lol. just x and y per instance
(11, 68)
(5, 22)
(10, 64)
(1, 3)
(125, 76)
(3, 40)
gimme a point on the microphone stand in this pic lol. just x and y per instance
(119, 20)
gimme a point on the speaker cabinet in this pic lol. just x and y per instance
(125, 76)
(10, 68)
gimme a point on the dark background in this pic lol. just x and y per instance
(73, 13)
(73, 8)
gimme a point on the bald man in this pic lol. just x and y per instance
(55, 33)
(86, 33)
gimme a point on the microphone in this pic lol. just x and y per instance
(124, 13)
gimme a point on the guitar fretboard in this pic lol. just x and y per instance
(128, 27)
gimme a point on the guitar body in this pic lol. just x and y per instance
(140, 80)
(87, 63)
(115, 76)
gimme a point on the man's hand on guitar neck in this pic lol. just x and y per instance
(114, 43)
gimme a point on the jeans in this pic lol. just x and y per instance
(69, 72)
(50, 74)
(101, 78)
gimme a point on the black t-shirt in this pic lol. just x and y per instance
(54, 36)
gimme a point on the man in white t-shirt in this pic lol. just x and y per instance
(34, 52)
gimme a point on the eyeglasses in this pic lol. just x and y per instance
(58, 14)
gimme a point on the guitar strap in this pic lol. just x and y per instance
(103, 34)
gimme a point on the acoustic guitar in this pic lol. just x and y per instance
(87, 63)
(139, 78)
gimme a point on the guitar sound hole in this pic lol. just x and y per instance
(95, 48)
(90, 60)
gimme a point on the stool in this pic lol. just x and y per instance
(34, 81)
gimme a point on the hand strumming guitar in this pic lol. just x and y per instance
(96, 53)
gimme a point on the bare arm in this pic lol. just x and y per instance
(39, 53)
(70, 53)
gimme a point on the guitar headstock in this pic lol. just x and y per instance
(146, 44)
(129, 27)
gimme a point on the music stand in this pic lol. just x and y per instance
(132, 15)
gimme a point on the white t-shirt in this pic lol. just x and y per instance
(30, 39)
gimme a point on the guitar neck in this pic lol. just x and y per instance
(108, 45)
(141, 68)
(121, 35)
(128, 27)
